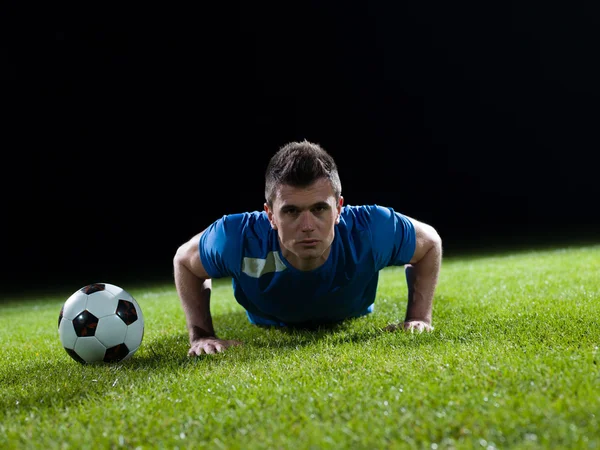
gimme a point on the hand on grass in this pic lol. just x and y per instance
(210, 345)
(412, 325)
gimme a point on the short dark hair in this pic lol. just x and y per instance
(300, 164)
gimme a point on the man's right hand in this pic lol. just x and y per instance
(210, 345)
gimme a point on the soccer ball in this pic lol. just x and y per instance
(100, 323)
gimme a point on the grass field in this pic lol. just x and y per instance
(513, 363)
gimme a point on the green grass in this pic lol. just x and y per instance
(512, 363)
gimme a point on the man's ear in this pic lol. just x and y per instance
(270, 215)
(339, 209)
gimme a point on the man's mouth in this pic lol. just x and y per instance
(308, 242)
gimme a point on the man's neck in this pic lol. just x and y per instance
(305, 265)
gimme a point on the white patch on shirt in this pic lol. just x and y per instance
(257, 267)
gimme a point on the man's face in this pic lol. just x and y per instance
(305, 221)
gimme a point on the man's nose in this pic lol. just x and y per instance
(307, 221)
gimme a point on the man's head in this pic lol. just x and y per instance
(303, 202)
(300, 164)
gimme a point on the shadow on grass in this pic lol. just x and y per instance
(174, 348)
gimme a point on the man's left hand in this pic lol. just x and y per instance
(412, 325)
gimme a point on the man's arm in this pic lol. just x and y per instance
(194, 287)
(422, 277)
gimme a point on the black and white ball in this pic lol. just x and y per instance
(99, 323)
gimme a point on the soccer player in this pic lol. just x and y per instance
(307, 259)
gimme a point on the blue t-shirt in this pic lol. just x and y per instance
(245, 247)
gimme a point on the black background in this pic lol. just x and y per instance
(127, 131)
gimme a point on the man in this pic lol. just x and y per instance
(307, 259)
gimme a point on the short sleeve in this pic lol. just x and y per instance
(393, 236)
(220, 246)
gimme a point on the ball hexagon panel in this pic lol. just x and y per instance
(67, 333)
(111, 330)
(135, 333)
(102, 303)
(90, 349)
(74, 305)
(113, 289)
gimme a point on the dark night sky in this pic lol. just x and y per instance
(129, 131)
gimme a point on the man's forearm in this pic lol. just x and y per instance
(194, 294)
(422, 279)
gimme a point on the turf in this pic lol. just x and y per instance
(512, 363)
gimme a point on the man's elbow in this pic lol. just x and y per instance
(435, 240)
(178, 256)
(181, 258)
(187, 259)
(429, 242)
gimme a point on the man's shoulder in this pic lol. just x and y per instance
(253, 223)
(246, 232)
(248, 216)
(362, 216)
(249, 230)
